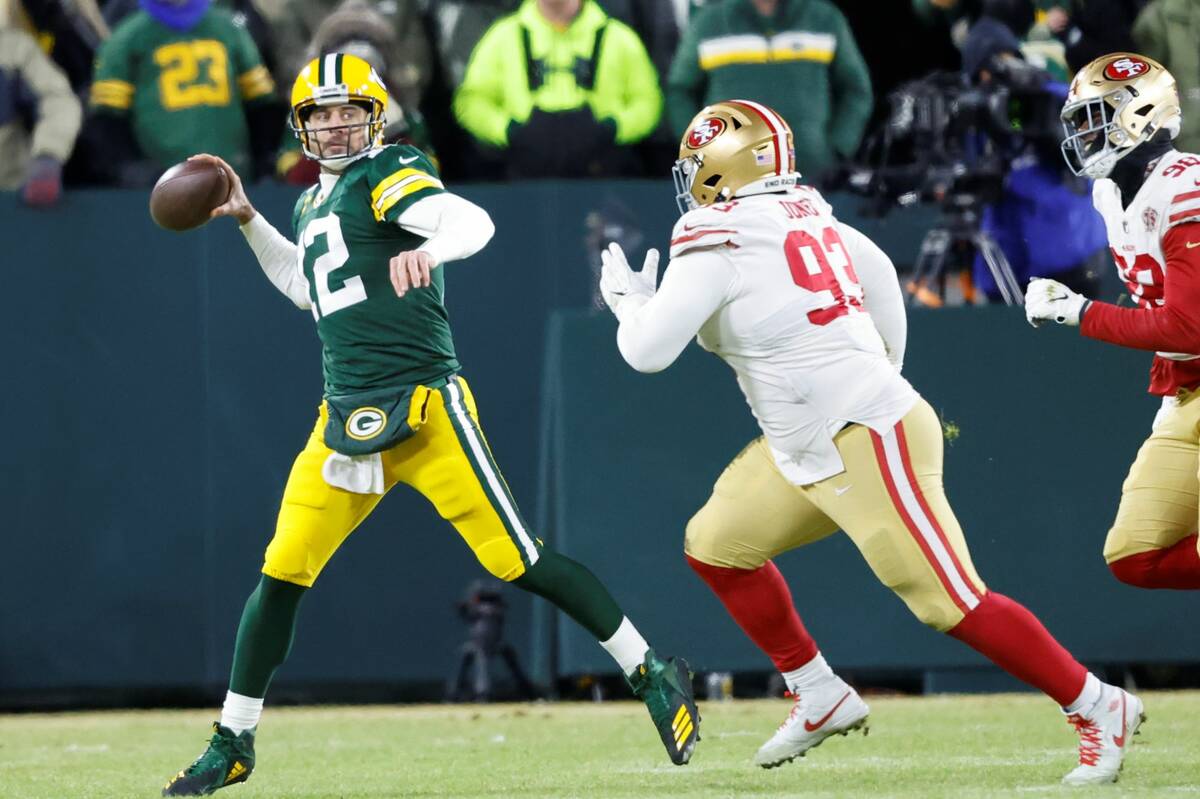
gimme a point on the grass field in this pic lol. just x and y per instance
(1001, 745)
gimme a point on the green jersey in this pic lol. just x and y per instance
(184, 90)
(347, 234)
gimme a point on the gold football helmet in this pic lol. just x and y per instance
(733, 148)
(338, 79)
(1115, 103)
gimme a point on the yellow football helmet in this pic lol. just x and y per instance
(733, 148)
(338, 79)
(1115, 103)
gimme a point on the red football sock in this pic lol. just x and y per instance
(1176, 566)
(760, 602)
(1007, 634)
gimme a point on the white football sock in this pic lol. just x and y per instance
(627, 647)
(809, 676)
(1089, 696)
(240, 712)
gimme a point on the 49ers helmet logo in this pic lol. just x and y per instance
(365, 423)
(705, 132)
(1126, 69)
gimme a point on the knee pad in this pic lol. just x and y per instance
(501, 558)
(707, 539)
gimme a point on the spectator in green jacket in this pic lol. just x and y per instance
(1169, 32)
(562, 89)
(796, 56)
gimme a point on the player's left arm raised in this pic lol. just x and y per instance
(406, 191)
(656, 325)
(1173, 326)
(455, 228)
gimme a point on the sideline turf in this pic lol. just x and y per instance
(948, 746)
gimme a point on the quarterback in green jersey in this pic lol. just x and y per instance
(371, 240)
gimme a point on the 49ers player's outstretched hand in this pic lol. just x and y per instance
(1050, 301)
(411, 270)
(238, 205)
(618, 282)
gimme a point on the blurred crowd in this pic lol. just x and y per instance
(111, 92)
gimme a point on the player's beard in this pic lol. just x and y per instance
(334, 156)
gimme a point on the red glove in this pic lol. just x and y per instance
(44, 185)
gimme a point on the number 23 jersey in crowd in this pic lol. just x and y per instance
(794, 326)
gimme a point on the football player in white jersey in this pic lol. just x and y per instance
(808, 312)
(1120, 117)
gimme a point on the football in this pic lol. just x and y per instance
(186, 193)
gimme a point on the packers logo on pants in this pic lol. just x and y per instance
(447, 460)
(365, 423)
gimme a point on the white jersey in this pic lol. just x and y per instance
(1169, 196)
(787, 311)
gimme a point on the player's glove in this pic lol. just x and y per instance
(618, 282)
(1050, 301)
(43, 187)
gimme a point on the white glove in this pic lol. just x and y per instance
(1048, 300)
(618, 283)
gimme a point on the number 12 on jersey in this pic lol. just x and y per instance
(823, 265)
(352, 290)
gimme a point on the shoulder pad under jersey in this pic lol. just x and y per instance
(710, 226)
(1180, 192)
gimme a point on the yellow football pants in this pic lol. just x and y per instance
(447, 460)
(889, 501)
(1160, 496)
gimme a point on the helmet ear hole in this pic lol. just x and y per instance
(713, 180)
(736, 123)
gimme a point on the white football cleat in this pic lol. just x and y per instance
(832, 709)
(1105, 734)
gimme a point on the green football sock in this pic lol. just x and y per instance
(575, 590)
(264, 636)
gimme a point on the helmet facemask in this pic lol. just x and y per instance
(310, 138)
(1094, 139)
(684, 173)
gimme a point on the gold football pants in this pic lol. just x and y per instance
(889, 500)
(1159, 498)
(447, 460)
